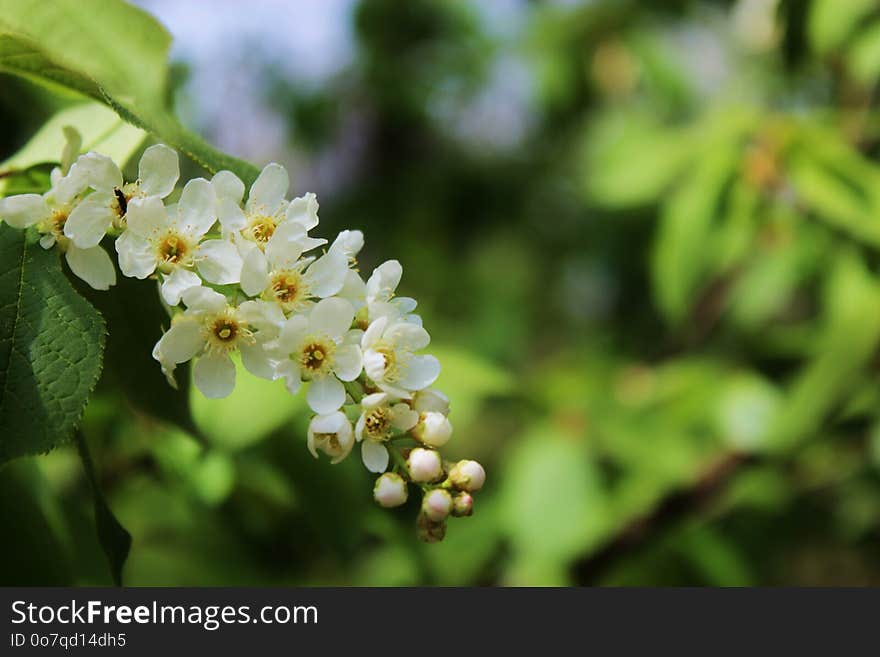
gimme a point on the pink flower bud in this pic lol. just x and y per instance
(467, 476)
(425, 465)
(434, 429)
(437, 504)
(390, 490)
(462, 505)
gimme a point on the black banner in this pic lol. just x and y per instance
(414, 621)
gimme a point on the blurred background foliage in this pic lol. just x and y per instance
(645, 238)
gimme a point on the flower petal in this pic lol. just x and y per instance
(327, 274)
(269, 189)
(290, 373)
(353, 289)
(93, 265)
(254, 273)
(326, 394)
(218, 262)
(158, 170)
(99, 172)
(349, 243)
(421, 371)
(407, 335)
(23, 210)
(331, 317)
(89, 221)
(384, 281)
(197, 207)
(137, 258)
(228, 186)
(403, 417)
(214, 375)
(347, 362)
(230, 215)
(304, 211)
(177, 283)
(203, 300)
(375, 456)
(257, 361)
(147, 216)
(181, 342)
(292, 333)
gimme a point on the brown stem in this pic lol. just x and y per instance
(670, 510)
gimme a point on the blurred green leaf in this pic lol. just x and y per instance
(832, 21)
(549, 489)
(680, 258)
(254, 410)
(50, 350)
(111, 51)
(850, 336)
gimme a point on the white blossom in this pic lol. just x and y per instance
(332, 434)
(320, 347)
(210, 330)
(107, 206)
(390, 490)
(170, 242)
(49, 213)
(390, 361)
(380, 418)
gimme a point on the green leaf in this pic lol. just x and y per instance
(832, 21)
(850, 336)
(108, 50)
(254, 410)
(680, 259)
(114, 539)
(101, 130)
(51, 346)
(135, 318)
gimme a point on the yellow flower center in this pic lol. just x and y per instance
(173, 250)
(378, 422)
(224, 332)
(288, 288)
(261, 228)
(316, 356)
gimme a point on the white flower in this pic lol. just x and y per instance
(267, 211)
(390, 490)
(437, 504)
(389, 347)
(280, 275)
(331, 434)
(107, 207)
(211, 330)
(424, 465)
(467, 476)
(50, 213)
(433, 429)
(430, 399)
(379, 420)
(379, 294)
(168, 240)
(320, 347)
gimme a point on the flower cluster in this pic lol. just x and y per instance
(243, 277)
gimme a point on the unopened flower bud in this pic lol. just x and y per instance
(429, 399)
(430, 531)
(467, 476)
(462, 505)
(433, 429)
(437, 504)
(424, 465)
(331, 434)
(390, 490)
